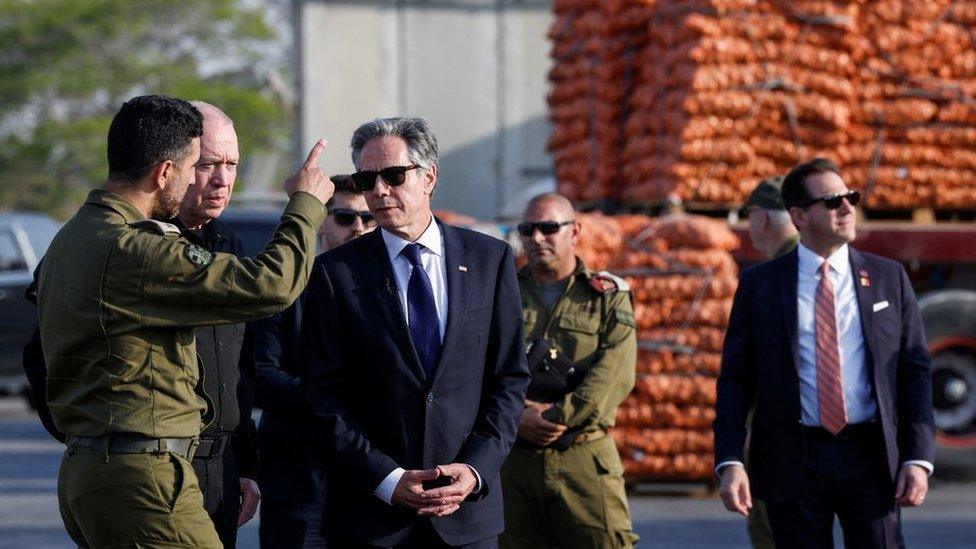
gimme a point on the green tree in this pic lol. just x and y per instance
(67, 65)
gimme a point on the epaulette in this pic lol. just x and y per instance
(160, 227)
(605, 282)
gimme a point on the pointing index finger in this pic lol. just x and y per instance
(313, 155)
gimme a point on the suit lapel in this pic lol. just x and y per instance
(865, 298)
(457, 292)
(787, 288)
(382, 287)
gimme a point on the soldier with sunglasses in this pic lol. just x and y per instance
(563, 481)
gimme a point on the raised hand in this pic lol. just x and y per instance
(310, 178)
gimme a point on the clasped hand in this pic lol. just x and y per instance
(435, 502)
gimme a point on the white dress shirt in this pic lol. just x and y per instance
(859, 400)
(435, 264)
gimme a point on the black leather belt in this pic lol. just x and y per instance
(212, 446)
(135, 444)
(851, 431)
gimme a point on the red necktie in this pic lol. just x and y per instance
(830, 388)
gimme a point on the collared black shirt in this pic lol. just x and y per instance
(226, 362)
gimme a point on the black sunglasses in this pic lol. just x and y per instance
(345, 217)
(394, 176)
(832, 201)
(527, 228)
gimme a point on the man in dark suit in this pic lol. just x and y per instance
(828, 343)
(412, 342)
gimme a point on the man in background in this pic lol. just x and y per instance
(770, 229)
(291, 475)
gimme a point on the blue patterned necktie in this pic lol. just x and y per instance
(422, 313)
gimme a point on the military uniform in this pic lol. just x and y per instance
(576, 498)
(118, 298)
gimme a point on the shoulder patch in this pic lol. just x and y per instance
(605, 282)
(198, 256)
(159, 227)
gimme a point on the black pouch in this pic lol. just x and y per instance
(553, 377)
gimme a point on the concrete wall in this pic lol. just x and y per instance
(476, 68)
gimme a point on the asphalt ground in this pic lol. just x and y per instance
(665, 516)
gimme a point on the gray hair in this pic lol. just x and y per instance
(420, 138)
(779, 218)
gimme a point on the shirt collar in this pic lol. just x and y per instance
(809, 261)
(580, 270)
(430, 239)
(123, 207)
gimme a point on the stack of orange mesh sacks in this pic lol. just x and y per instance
(730, 92)
(727, 92)
(682, 278)
(594, 44)
(915, 114)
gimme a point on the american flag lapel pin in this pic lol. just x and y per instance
(463, 268)
(865, 278)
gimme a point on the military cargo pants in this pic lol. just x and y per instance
(566, 500)
(132, 500)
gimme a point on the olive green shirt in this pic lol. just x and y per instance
(787, 246)
(595, 329)
(119, 296)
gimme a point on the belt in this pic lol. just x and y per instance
(851, 431)
(590, 436)
(135, 444)
(212, 446)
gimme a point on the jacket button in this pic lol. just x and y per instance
(430, 397)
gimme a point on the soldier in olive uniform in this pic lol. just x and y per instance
(572, 497)
(772, 234)
(118, 296)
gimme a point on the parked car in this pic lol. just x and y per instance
(24, 237)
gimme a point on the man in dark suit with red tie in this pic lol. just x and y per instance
(828, 343)
(412, 342)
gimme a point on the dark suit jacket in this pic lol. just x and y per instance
(380, 411)
(290, 464)
(759, 364)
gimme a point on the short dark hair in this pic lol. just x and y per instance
(147, 130)
(343, 184)
(795, 191)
